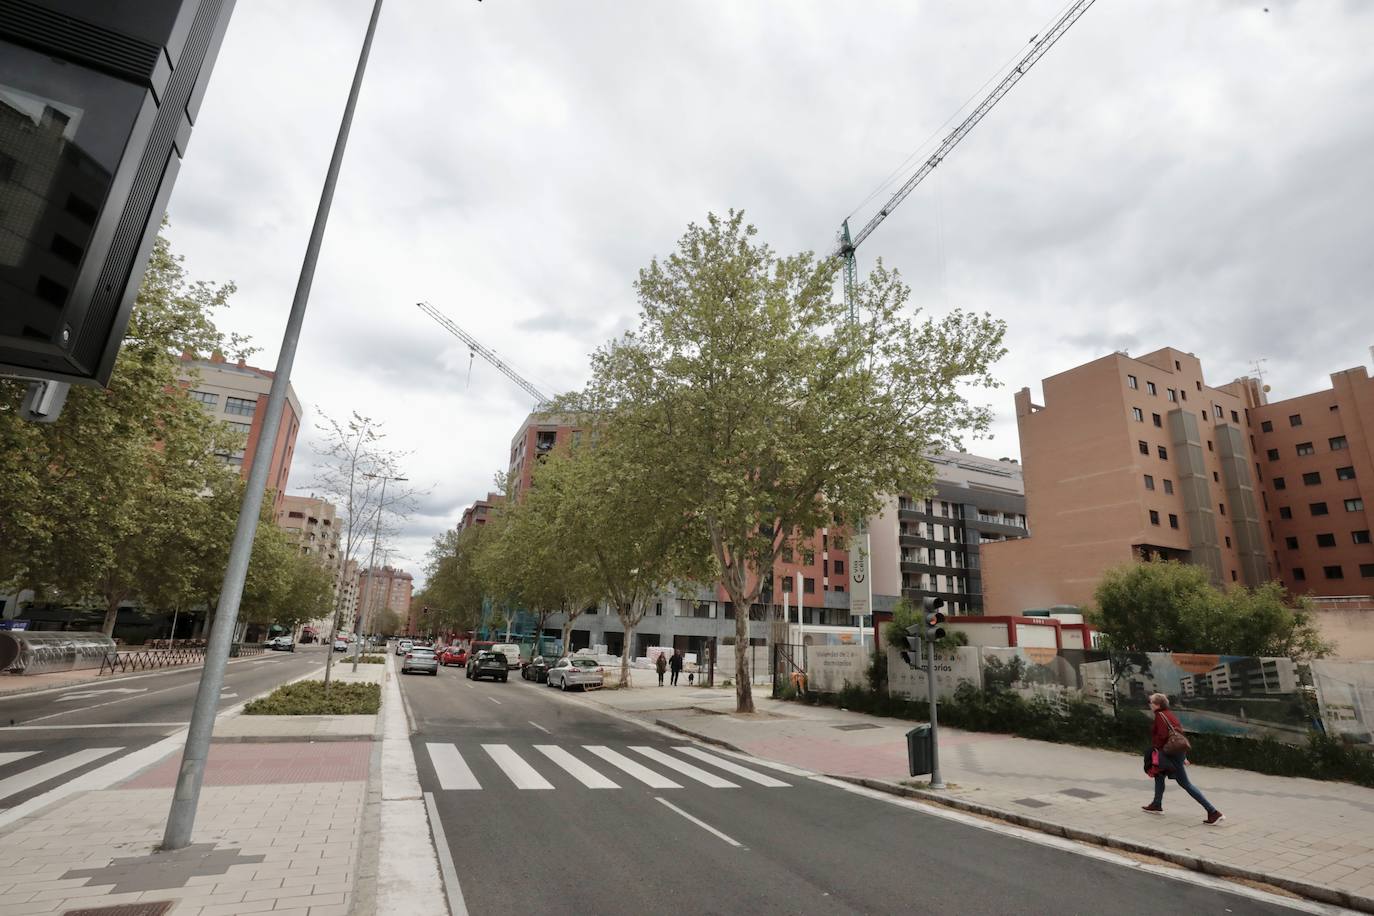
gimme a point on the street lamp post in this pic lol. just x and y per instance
(181, 818)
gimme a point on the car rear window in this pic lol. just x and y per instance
(583, 663)
(422, 652)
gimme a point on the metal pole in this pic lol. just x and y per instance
(181, 818)
(936, 781)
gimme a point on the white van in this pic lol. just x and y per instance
(512, 653)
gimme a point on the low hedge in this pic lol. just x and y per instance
(1086, 724)
(369, 659)
(308, 698)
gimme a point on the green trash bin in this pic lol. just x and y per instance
(918, 747)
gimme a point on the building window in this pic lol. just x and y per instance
(1178, 367)
(1319, 508)
(1280, 483)
(1228, 540)
(1157, 421)
(1131, 382)
(1216, 411)
(242, 407)
(1312, 478)
(1150, 387)
(205, 397)
(1333, 572)
(1154, 517)
(658, 609)
(1173, 520)
(1149, 482)
(1235, 417)
(1143, 446)
(787, 584)
(1182, 395)
(1204, 415)
(1172, 394)
(1285, 512)
(809, 585)
(1233, 575)
(839, 567)
(1272, 454)
(1367, 570)
(1360, 537)
(1209, 445)
(1295, 419)
(1267, 426)
(1326, 540)
(1138, 414)
(1305, 448)
(1290, 542)
(1346, 473)
(295, 515)
(1216, 478)
(1168, 486)
(1354, 505)
(1163, 453)
(1337, 443)
(1222, 508)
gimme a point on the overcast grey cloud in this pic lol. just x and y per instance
(1191, 173)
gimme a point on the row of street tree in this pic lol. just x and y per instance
(123, 500)
(744, 412)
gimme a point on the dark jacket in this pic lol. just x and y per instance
(1159, 733)
(661, 664)
(676, 662)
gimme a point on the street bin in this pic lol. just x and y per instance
(918, 748)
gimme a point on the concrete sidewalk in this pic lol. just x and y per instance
(279, 828)
(1310, 837)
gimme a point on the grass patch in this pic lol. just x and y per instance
(307, 698)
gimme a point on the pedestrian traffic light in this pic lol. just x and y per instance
(933, 618)
(97, 101)
(912, 653)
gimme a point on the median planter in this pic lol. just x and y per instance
(308, 698)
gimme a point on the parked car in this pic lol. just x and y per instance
(488, 664)
(340, 645)
(537, 670)
(453, 655)
(403, 646)
(572, 671)
(511, 651)
(281, 644)
(420, 659)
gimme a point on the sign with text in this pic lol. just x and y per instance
(952, 667)
(829, 668)
(860, 582)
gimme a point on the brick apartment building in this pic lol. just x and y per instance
(237, 394)
(480, 511)
(1130, 457)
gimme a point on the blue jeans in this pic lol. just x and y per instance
(1181, 777)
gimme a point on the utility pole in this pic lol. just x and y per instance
(181, 818)
(359, 617)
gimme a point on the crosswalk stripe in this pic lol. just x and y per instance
(452, 770)
(12, 756)
(579, 770)
(516, 769)
(727, 766)
(41, 774)
(685, 768)
(633, 767)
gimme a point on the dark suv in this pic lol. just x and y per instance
(487, 664)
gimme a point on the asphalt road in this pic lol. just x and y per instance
(522, 782)
(50, 737)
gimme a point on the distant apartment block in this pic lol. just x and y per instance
(236, 393)
(480, 511)
(385, 589)
(1135, 457)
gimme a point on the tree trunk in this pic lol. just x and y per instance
(111, 614)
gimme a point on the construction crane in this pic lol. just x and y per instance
(541, 400)
(847, 244)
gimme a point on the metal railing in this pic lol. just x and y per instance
(149, 659)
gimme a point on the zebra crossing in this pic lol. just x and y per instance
(592, 766)
(36, 774)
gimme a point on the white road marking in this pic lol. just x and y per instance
(579, 770)
(541, 728)
(41, 774)
(450, 767)
(686, 769)
(633, 767)
(494, 700)
(456, 905)
(227, 696)
(12, 756)
(40, 728)
(699, 822)
(727, 766)
(87, 694)
(516, 769)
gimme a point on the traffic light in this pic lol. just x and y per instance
(933, 618)
(97, 101)
(912, 653)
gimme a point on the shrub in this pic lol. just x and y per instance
(371, 659)
(308, 698)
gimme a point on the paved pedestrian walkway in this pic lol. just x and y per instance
(280, 828)
(1307, 835)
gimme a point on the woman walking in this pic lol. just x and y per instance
(661, 665)
(1172, 762)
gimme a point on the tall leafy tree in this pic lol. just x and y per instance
(758, 410)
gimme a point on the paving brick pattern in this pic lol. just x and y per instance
(279, 846)
(249, 764)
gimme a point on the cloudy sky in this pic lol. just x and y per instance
(1188, 173)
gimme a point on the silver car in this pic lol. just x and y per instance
(403, 646)
(573, 672)
(420, 659)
